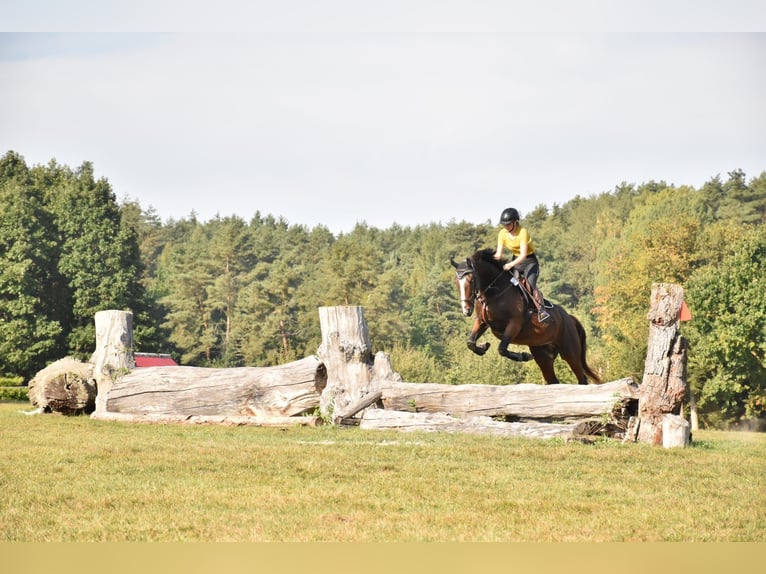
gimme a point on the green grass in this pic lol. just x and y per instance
(77, 479)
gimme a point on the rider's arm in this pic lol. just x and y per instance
(499, 250)
(523, 249)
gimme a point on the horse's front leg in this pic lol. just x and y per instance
(479, 328)
(503, 348)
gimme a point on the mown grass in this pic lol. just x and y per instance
(77, 479)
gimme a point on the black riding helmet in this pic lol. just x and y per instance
(509, 215)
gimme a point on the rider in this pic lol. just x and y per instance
(516, 239)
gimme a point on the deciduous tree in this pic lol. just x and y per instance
(727, 335)
(30, 333)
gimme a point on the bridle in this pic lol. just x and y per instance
(460, 274)
(476, 291)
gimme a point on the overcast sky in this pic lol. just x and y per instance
(327, 116)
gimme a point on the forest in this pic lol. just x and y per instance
(244, 289)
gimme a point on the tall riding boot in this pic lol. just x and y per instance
(542, 314)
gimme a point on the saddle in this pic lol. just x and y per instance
(520, 280)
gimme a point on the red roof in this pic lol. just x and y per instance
(150, 360)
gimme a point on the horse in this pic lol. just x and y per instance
(504, 308)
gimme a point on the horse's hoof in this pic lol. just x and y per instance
(478, 349)
(526, 357)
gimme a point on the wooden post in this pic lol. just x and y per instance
(663, 387)
(693, 415)
(675, 431)
(347, 354)
(113, 356)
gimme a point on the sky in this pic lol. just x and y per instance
(405, 113)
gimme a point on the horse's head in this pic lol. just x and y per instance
(464, 278)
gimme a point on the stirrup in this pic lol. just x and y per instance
(543, 316)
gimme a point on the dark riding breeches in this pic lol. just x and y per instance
(530, 267)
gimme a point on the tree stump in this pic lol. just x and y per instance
(113, 356)
(675, 432)
(663, 386)
(65, 386)
(347, 354)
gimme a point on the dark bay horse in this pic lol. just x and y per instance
(501, 306)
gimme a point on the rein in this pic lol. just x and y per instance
(479, 293)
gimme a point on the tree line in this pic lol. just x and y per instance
(233, 291)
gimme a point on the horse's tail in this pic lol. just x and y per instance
(581, 334)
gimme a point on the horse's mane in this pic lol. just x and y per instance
(488, 256)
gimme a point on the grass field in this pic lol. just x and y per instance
(77, 479)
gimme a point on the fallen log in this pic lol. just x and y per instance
(252, 421)
(283, 390)
(65, 386)
(517, 402)
(360, 405)
(382, 419)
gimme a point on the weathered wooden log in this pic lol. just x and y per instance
(347, 354)
(663, 386)
(113, 356)
(522, 401)
(383, 419)
(599, 427)
(283, 390)
(253, 421)
(65, 386)
(357, 407)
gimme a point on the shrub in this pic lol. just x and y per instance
(16, 393)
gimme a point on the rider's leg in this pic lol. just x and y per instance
(537, 297)
(542, 314)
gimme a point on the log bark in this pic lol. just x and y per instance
(663, 386)
(65, 386)
(346, 352)
(253, 421)
(113, 356)
(522, 401)
(381, 419)
(283, 390)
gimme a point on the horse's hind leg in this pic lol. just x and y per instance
(574, 362)
(544, 357)
(503, 350)
(573, 359)
(572, 354)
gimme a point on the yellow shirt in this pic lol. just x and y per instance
(513, 243)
